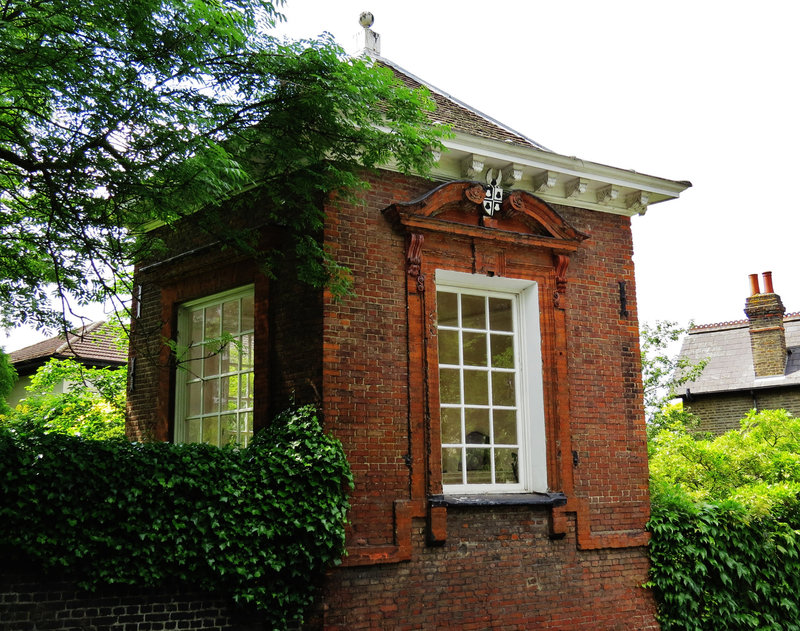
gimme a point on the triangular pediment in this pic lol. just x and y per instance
(457, 208)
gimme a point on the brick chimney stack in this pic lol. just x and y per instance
(767, 337)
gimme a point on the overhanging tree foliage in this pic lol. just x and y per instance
(118, 115)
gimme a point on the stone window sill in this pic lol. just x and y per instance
(500, 499)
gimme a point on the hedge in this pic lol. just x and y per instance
(258, 524)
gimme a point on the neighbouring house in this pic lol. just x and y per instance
(753, 364)
(483, 377)
(95, 345)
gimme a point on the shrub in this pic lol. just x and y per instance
(92, 406)
(725, 551)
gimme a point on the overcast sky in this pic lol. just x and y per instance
(698, 91)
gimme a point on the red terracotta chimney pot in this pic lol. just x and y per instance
(768, 283)
(754, 288)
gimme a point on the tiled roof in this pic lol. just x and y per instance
(730, 366)
(460, 116)
(93, 343)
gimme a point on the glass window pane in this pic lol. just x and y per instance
(192, 433)
(246, 394)
(503, 351)
(192, 359)
(449, 386)
(506, 466)
(229, 395)
(451, 425)
(196, 334)
(229, 358)
(210, 396)
(476, 390)
(229, 429)
(503, 390)
(247, 352)
(447, 308)
(500, 317)
(451, 466)
(479, 466)
(230, 317)
(210, 430)
(211, 361)
(473, 312)
(248, 313)
(476, 424)
(194, 398)
(448, 347)
(505, 427)
(213, 322)
(474, 349)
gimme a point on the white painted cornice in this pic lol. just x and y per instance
(554, 177)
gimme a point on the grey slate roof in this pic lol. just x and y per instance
(730, 366)
(460, 116)
(93, 344)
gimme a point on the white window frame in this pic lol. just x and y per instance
(183, 343)
(531, 435)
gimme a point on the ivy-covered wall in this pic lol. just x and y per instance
(255, 526)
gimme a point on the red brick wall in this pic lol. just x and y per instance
(498, 567)
(607, 419)
(498, 570)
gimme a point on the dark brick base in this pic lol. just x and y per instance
(32, 603)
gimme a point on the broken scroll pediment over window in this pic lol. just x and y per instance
(464, 206)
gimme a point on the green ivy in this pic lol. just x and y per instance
(259, 524)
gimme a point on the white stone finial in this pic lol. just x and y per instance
(366, 19)
(372, 40)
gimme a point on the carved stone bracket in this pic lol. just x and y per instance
(561, 262)
(638, 202)
(607, 194)
(576, 187)
(512, 174)
(544, 181)
(414, 260)
(472, 166)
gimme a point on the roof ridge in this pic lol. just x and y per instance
(79, 334)
(733, 324)
(729, 324)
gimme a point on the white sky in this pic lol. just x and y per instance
(698, 91)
